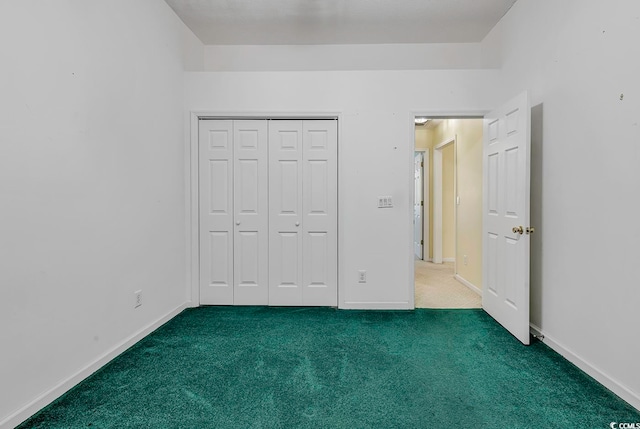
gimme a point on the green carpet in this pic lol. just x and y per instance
(259, 367)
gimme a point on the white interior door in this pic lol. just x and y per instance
(303, 213)
(506, 193)
(285, 212)
(418, 204)
(251, 217)
(320, 213)
(216, 212)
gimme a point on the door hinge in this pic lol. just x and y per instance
(421, 163)
(422, 242)
(422, 203)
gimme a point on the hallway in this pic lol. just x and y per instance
(437, 288)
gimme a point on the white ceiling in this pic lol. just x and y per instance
(300, 22)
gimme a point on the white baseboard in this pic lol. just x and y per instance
(375, 306)
(448, 259)
(468, 284)
(61, 388)
(610, 383)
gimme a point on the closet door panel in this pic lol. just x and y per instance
(285, 213)
(251, 217)
(319, 212)
(216, 211)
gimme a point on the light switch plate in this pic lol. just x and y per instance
(385, 202)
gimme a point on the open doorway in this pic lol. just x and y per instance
(449, 273)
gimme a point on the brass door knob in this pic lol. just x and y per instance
(518, 230)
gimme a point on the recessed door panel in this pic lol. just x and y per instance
(289, 140)
(248, 184)
(511, 198)
(492, 185)
(318, 139)
(318, 252)
(219, 140)
(512, 271)
(248, 138)
(319, 198)
(512, 121)
(247, 254)
(288, 257)
(220, 274)
(492, 263)
(219, 187)
(289, 196)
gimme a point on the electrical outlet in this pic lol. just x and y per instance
(138, 299)
(466, 260)
(362, 276)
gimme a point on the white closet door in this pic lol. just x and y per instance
(285, 212)
(251, 216)
(319, 212)
(216, 212)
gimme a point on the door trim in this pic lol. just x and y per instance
(425, 198)
(192, 274)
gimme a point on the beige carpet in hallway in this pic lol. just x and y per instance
(437, 288)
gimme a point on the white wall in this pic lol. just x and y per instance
(375, 153)
(431, 56)
(91, 185)
(577, 58)
(192, 51)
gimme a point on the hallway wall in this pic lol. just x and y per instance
(468, 227)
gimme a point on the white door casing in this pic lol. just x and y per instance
(251, 217)
(418, 203)
(506, 193)
(216, 211)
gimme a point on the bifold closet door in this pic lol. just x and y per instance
(251, 218)
(320, 212)
(216, 211)
(303, 213)
(233, 212)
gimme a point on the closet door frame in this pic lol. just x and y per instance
(192, 160)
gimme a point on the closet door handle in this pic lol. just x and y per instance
(237, 222)
(297, 223)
